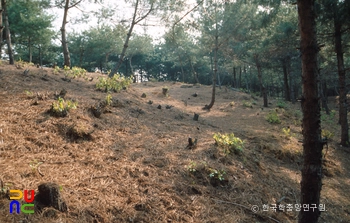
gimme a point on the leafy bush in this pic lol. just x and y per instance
(78, 72)
(75, 72)
(328, 118)
(229, 143)
(56, 70)
(116, 83)
(61, 107)
(281, 104)
(192, 167)
(327, 134)
(217, 174)
(273, 118)
(109, 99)
(248, 104)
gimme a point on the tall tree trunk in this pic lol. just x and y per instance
(240, 77)
(343, 114)
(182, 69)
(66, 54)
(311, 181)
(285, 66)
(1, 30)
(195, 75)
(30, 50)
(234, 78)
(133, 23)
(262, 87)
(7, 30)
(208, 107)
(324, 96)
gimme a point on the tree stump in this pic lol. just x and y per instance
(49, 196)
(191, 144)
(165, 91)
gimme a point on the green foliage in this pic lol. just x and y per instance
(229, 143)
(61, 107)
(192, 167)
(116, 83)
(75, 72)
(56, 70)
(328, 118)
(22, 64)
(109, 99)
(327, 134)
(31, 28)
(34, 165)
(66, 70)
(281, 104)
(78, 72)
(273, 118)
(29, 94)
(248, 104)
(217, 174)
(287, 133)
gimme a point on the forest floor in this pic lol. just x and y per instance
(132, 164)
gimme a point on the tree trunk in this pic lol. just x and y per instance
(66, 54)
(215, 70)
(7, 30)
(234, 78)
(324, 96)
(182, 69)
(311, 181)
(133, 23)
(1, 30)
(343, 118)
(285, 65)
(195, 75)
(240, 77)
(30, 51)
(262, 87)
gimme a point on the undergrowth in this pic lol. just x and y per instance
(61, 107)
(229, 143)
(272, 117)
(115, 83)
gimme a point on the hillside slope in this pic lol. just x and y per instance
(132, 164)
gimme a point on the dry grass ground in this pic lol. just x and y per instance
(132, 165)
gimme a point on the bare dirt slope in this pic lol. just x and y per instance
(132, 164)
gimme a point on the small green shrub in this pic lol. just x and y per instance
(273, 118)
(327, 134)
(75, 72)
(66, 70)
(248, 104)
(61, 107)
(192, 167)
(78, 72)
(34, 165)
(328, 118)
(109, 99)
(229, 143)
(56, 70)
(281, 104)
(217, 174)
(116, 83)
